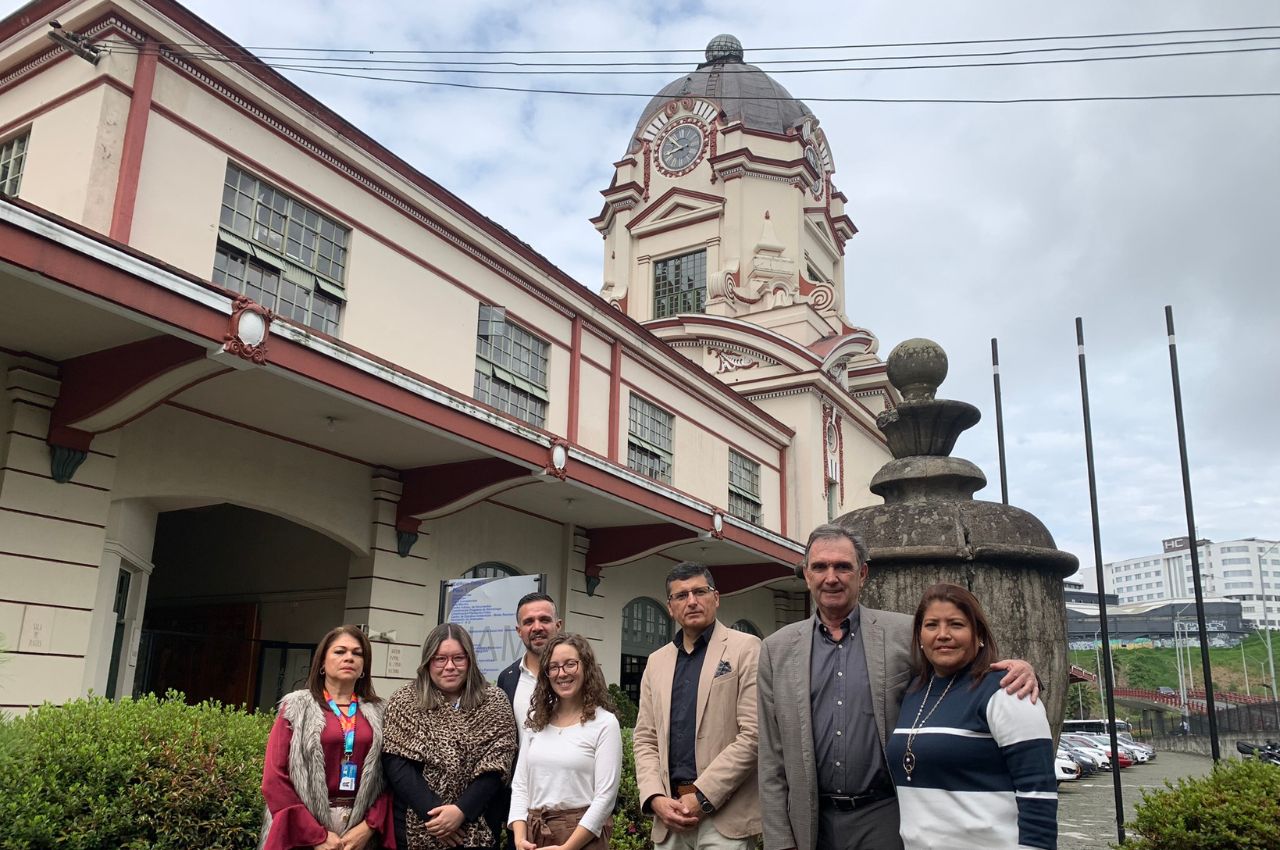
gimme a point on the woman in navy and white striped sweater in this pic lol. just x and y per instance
(972, 764)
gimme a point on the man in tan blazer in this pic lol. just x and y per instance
(830, 688)
(695, 736)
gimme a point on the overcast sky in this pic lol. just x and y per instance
(977, 221)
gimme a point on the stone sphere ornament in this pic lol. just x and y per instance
(917, 367)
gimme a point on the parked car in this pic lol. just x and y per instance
(1099, 754)
(1066, 769)
(1128, 741)
(1122, 756)
(1089, 765)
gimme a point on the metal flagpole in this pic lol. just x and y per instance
(1102, 586)
(1195, 543)
(995, 377)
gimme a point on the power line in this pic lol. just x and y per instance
(133, 46)
(617, 52)
(322, 64)
(1081, 99)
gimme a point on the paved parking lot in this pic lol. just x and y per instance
(1086, 807)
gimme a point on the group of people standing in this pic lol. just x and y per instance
(855, 729)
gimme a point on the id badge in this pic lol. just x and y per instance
(347, 782)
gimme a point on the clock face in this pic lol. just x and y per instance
(680, 147)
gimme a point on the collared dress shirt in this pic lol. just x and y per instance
(684, 708)
(846, 745)
(522, 697)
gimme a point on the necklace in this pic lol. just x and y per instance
(909, 758)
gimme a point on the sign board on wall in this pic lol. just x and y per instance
(486, 608)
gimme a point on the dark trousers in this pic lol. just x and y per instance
(873, 827)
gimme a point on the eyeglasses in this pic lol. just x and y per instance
(697, 593)
(570, 666)
(439, 661)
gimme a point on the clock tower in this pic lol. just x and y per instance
(724, 233)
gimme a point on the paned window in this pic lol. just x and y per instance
(649, 443)
(744, 487)
(13, 154)
(680, 285)
(302, 251)
(269, 286)
(511, 368)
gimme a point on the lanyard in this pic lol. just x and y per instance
(347, 722)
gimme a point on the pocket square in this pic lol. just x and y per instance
(724, 668)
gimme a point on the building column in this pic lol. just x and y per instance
(391, 594)
(51, 544)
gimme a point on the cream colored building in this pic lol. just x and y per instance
(263, 377)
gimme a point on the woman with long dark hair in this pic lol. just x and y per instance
(322, 776)
(972, 764)
(567, 778)
(449, 743)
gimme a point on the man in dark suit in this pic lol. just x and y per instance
(829, 692)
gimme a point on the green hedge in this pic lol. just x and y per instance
(158, 774)
(1236, 807)
(152, 773)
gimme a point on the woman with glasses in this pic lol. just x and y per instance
(566, 780)
(448, 743)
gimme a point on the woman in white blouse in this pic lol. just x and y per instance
(566, 779)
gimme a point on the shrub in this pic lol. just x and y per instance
(626, 708)
(147, 773)
(631, 826)
(1236, 807)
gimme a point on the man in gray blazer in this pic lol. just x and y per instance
(829, 689)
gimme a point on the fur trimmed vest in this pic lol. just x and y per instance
(306, 719)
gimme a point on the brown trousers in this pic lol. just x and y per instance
(554, 826)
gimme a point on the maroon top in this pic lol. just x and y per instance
(292, 825)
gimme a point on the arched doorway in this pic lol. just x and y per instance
(235, 604)
(645, 628)
(747, 626)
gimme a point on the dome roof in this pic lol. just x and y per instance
(743, 92)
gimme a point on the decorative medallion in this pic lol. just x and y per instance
(249, 328)
(558, 459)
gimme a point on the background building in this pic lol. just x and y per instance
(1245, 570)
(263, 377)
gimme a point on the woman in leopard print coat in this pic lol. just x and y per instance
(449, 741)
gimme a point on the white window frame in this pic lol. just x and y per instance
(13, 150)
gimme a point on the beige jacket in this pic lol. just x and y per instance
(725, 741)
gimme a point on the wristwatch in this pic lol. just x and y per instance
(707, 808)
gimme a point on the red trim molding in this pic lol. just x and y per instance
(135, 138)
(575, 378)
(626, 543)
(731, 578)
(448, 487)
(615, 398)
(126, 378)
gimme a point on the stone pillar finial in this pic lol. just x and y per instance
(917, 367)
